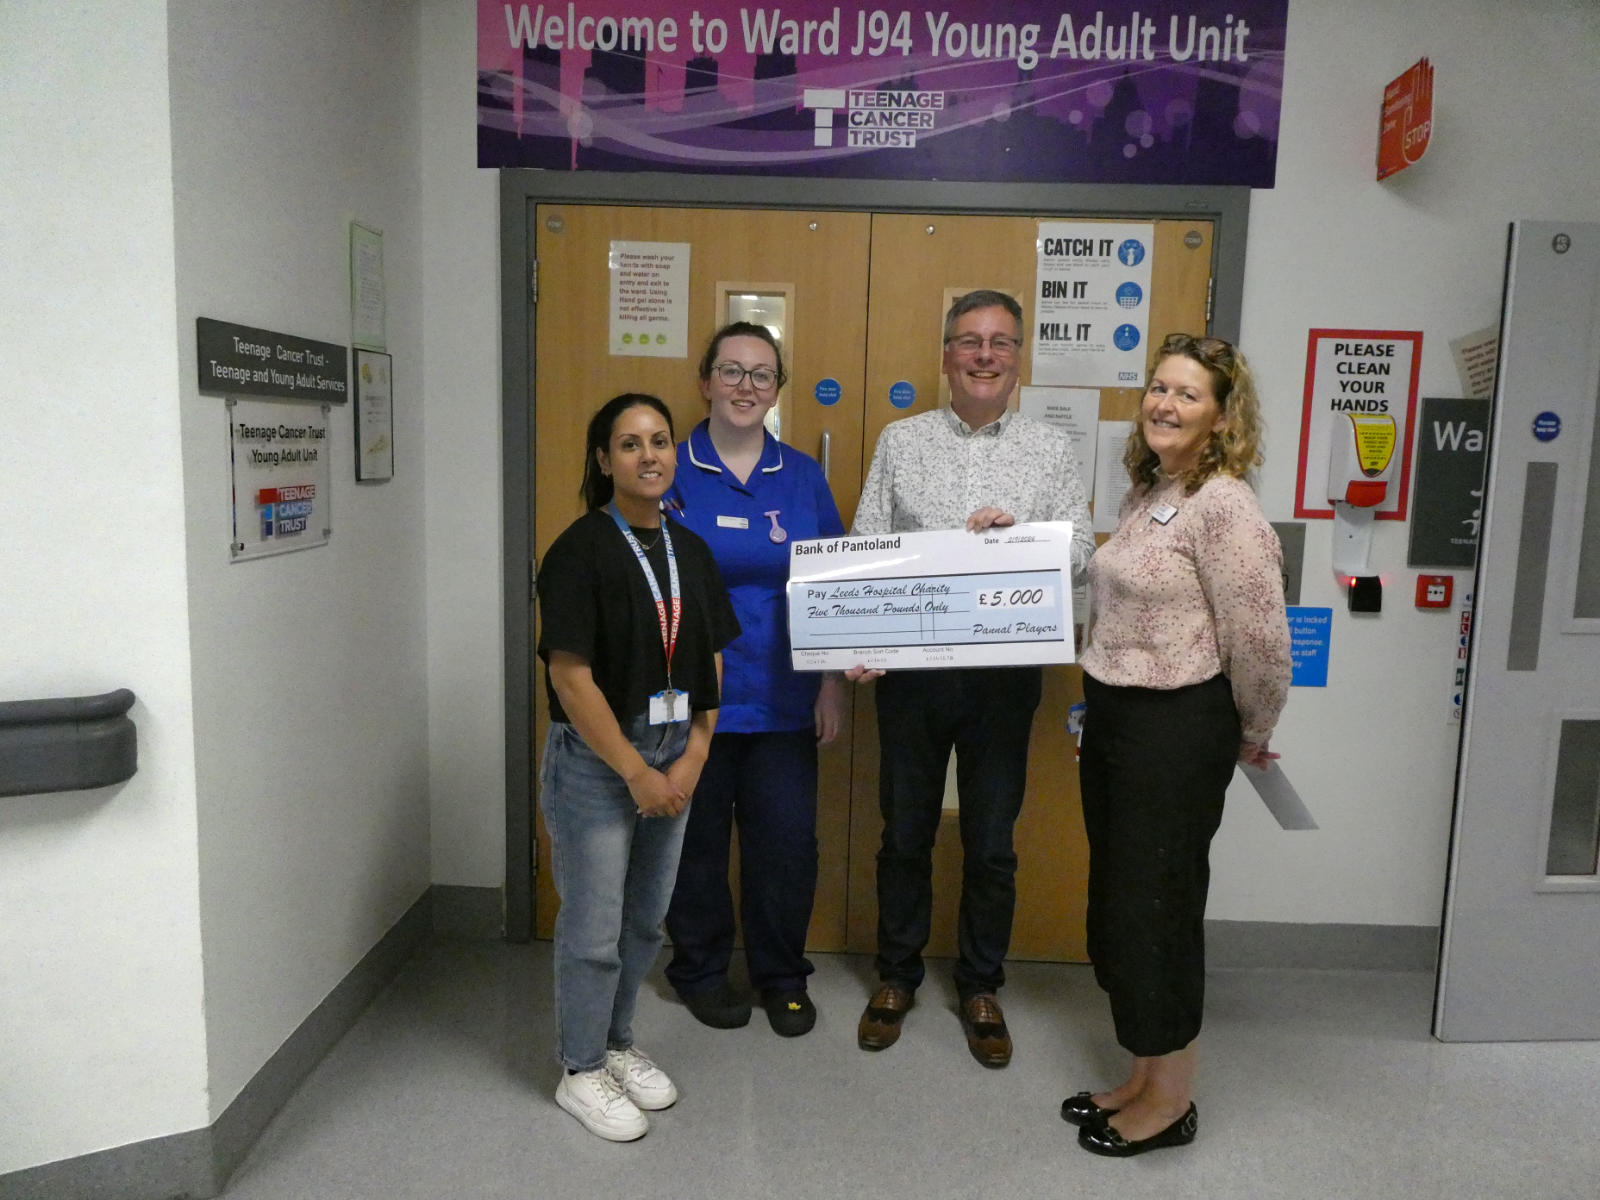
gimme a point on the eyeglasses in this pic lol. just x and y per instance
(732, 374)
(1001, 345)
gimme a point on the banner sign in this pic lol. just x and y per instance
(1069, 91)
(1452, 447)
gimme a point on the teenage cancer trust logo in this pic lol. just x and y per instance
(875, 118)
(285, 510)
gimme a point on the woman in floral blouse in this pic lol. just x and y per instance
(1186, 673)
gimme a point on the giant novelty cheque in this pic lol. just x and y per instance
(939, 598)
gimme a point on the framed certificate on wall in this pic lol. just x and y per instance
(374, 409)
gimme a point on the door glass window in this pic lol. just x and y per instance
(1575, 808)
(1586, 603)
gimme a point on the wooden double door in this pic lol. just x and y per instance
(861, 300)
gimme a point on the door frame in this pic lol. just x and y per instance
(1228, 208)
(1511, 929)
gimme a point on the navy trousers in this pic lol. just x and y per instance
(985, 715)
(1155, 768)
(766, 783)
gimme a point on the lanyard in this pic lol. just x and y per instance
(669, 636)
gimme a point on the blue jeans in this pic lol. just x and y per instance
(614, 872)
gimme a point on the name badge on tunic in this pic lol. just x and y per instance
(669, 707)
(1162, 514)
(733, 522)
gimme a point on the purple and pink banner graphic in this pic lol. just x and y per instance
(1016, 91)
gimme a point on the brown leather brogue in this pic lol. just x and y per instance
(985, 1026)
(880, 1023)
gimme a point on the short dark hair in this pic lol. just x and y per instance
(982, 298)
(740, 329)
(598, 487)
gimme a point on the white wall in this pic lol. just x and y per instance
(1373, 754)
(1514, 136)
(461, 298)
(102, 1039)
(310, 676)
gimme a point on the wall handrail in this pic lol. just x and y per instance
(67, 744)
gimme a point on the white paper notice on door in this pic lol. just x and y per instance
(1091, 304)
(1111, 481)
(1074, 411)
(650, 299)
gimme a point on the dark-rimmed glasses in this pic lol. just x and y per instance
(763, 379)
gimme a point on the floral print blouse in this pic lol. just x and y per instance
(1190, 587)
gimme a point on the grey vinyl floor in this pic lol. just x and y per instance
(1313, 1084)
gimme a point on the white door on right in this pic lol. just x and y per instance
(1521, 952)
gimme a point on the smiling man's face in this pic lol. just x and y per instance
(981, 377)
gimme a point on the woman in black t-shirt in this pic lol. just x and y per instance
(633, 619)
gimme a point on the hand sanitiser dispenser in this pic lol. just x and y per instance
(1360, 467)
(1361, 459)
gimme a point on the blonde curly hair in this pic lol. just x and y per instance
(1232, 450)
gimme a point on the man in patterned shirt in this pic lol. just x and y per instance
(974, 464)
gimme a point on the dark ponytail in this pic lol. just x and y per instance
(597, 486)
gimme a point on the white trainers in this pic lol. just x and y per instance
(645, 1083)
(597, 1100)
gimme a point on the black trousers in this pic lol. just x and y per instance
(1154, 771)
(985, 715)
(767, 784)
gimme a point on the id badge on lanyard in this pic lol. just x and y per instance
(669, 705)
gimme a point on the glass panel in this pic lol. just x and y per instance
(1587, 601)
(1533, 564)
(1575, 806)
(772, 310)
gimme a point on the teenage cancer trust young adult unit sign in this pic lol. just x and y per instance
(279, 456)
(1043, 91)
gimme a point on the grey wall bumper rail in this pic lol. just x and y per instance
(67, 745)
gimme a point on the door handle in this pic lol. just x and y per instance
(825, 452)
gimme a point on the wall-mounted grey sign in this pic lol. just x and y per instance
(240, 360)
(1452, 447)
(1292, 536)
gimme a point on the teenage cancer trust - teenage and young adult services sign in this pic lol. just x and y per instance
(1079, 91)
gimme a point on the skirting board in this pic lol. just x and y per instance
(196, 1164)
(1264, 944)
(468, 912)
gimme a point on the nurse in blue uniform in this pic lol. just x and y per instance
(749, 495)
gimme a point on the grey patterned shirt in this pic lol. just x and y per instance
(933, 471)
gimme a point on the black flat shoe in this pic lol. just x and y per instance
(1080, 1109)
(720, 1007)
(1100, 1138)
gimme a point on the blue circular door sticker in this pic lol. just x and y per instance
(1547, 426)
(902, 394)
(1131, 252)
(1130, 295)
(1125, 337)
(828, 391)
